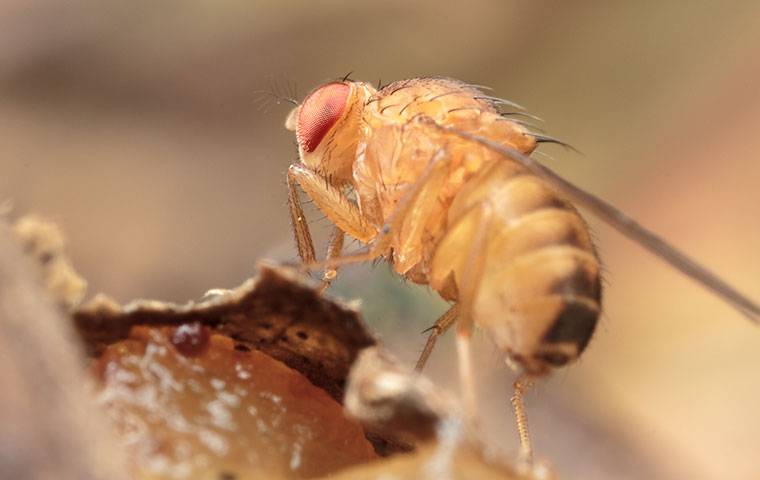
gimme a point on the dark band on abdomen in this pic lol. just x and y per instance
(575, 323)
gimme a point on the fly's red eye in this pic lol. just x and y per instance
(319, 112)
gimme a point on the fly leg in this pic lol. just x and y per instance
(521, 385)
(440, 327)
(339, 209)
(453, 253)
(333, 251)
(408, 208)
(468, 288)
(301, 232)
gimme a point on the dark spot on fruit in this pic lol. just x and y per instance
(191, 339)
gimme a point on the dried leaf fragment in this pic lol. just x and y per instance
(44, 242)
(48, 429)
(406, 407)
(392, 400)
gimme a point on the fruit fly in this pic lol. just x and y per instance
(434, 178)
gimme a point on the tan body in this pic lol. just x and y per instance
(433, 178)
(481, 230)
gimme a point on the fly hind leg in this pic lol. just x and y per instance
(459, 248)
(464, 252)
(521, 385)
(469, 275)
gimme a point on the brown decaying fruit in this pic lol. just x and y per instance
(187, 404)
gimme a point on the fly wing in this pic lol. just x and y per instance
(619, 221)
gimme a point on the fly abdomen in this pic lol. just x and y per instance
(552, 284)
(552, 290)
(562, 270)
(540, 287)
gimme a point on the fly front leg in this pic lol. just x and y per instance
(409, 207)
(341, 211)
(333, 251)
(304, 243)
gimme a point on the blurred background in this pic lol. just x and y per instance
(135, 125)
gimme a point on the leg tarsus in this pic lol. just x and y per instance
(333, 251)
(440, 326)
(521, 385)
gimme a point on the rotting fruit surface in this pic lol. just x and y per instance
(188, 404)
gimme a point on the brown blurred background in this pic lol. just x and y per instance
(135, 125)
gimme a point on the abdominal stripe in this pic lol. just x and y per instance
(574, 324)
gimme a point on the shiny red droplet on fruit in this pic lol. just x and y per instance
(319, 112)
(191, 339)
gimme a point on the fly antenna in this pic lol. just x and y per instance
(274, 95)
